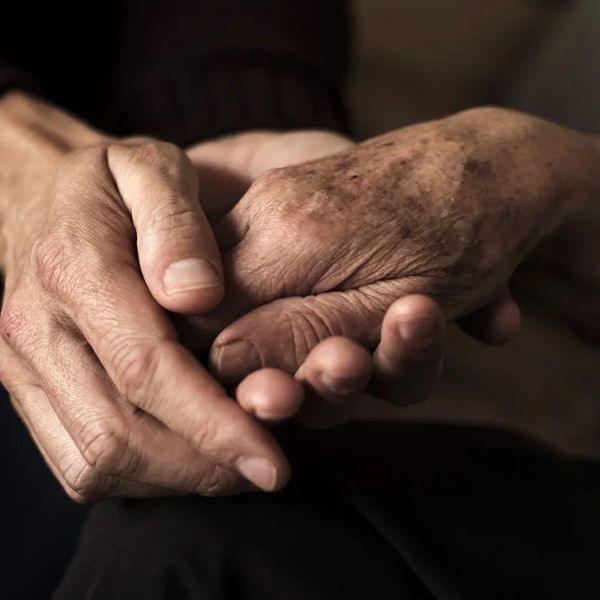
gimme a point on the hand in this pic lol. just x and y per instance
(447, 208)
(337, 372)
(99, 237)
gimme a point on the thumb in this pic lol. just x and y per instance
(282, 333)
(179, 257)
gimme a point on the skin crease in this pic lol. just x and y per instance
(39, 373)
(448, 208)
(114, 403)
(403, 370)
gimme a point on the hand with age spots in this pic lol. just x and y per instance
(326, 249)
(337, 370)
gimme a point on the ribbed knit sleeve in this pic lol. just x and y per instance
(189, 70)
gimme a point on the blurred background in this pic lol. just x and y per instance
(421, 59)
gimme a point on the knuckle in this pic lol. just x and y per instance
(82, 482)
(104, 447)
(154, 151)
(270, 177)
(208, 436)
(12, 324)
(155, 154)
(134, 364)
(272, 182)
(217, 481)
(15, 330)
(173, 218)
(55, 258)
(308, 326)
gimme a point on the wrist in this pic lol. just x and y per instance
(34, 137)
(564, 272)
(30, 125)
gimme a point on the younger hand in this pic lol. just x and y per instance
(100, 236)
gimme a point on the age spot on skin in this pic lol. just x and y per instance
(480, 168)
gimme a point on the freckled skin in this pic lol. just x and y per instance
(447, 209)
(452, 205)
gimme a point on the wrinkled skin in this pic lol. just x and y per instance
(113, 399)
(116, 405)
(407, 363)
(448, 209)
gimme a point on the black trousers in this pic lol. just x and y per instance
(395, 511)
(39, 525)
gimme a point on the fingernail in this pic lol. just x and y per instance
(420, 332)
(259, 471)
(189, 274)
(233, 361)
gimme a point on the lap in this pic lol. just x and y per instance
(304, 543)
(394, 511)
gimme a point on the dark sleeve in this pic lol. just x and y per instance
(12, 77)
(189, 70)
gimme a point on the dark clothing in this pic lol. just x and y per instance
(382, 512)
(182, 70)
(39, 525)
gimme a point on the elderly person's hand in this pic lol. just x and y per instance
(337, 371)
(100, 237)
(448, 209)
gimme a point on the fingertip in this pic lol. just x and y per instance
(270, 395)
(263, 474)
(414, 306)
(337, 367)
(505, 322)
(419, 323)
(410, 355)
(496, 324)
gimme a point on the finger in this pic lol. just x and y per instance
(54, 443)
(335, 374)
(117, 440)
(99, 289)
(297, 325)
(112, 437)
(270, 395)
(135, 343)
(105, 299)
(409, 358)
(178, 254)
(495, 324)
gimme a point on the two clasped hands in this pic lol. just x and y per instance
(311, 270)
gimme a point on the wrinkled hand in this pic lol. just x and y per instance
(447, 209)
(337, 372)
(99, 237)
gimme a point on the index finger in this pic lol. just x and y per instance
(135, 342)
